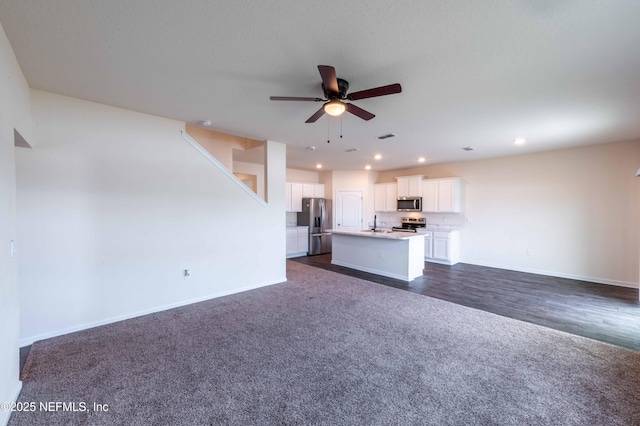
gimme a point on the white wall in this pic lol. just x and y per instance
(14, 114)
(113, 205)
(577, 210)
(296, 175)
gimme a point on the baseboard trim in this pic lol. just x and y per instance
(292, 255)
(371, 270)
(26, 341)
(5, 415)
(442, 262)
(554, 274)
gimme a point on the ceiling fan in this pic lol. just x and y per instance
(335, 92)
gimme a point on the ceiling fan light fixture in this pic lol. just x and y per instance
(334, 108)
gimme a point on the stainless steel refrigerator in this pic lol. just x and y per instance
(316, 214)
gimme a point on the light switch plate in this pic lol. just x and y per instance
(12, 248)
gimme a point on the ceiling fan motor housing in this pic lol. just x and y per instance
(343, 88)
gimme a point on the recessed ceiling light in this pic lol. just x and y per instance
(421, 160)
(318, 166)
(207, 123)
(378, 156)
(520, 141)
(367, 167)
(312, 148)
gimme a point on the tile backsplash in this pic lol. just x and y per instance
(390, 219)
(292, 219)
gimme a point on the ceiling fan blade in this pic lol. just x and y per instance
(293, 98)
(365, 115)
(328, 74)
(319, 113)
(378, 91)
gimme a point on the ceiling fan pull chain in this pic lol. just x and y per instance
(340, 127)
(328, 139)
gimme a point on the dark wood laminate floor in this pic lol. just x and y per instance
(603, 312)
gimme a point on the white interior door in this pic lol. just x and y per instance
(349, 209)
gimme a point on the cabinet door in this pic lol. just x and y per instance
(318, 190)
(391, 196)
(380, 197)
(441, 246)
(292, 241)
(308, 190)
(288, 205)
(303, 239)
(415, 186)
(430, 195)
(296, 197)
(428, 246)
(446, 195)
(403, 187)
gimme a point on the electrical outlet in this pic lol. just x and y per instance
(529, 252)
(381, 254)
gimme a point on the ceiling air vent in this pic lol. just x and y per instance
(352, 150)
(387, 136)
(467, 148)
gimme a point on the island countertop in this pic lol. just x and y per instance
(398, 255)
(392, 235)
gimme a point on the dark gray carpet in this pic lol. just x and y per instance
(325, 348)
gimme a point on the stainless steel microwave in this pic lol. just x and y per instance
(409, 204)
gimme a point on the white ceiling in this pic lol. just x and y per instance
(474, 73)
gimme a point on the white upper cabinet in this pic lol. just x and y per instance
(430, 195)
(410, 186)
(297, 191)
(449, 195)
(294, 197)
(308, 190)
(312, 190)
(442, 195)
(385, 197)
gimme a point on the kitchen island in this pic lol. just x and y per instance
(397, 255)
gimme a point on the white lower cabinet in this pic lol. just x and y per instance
(297, 241)
(442, 247)
(303, 239)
